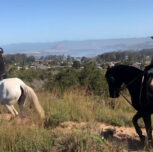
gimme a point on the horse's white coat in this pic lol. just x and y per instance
(10, 92)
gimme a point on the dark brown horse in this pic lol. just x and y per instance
(141, 99)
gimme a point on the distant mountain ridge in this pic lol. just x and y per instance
(148, 52)
(80, 48)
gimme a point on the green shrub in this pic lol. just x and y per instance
(25, 75)
(76, 64)
(93, 79)
(64, 80)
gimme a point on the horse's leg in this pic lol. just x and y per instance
(137, 128)
(9, 107)
(15, 111)
(147, 121)
(21, 104)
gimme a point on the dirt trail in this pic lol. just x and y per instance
(119, 132)
(122, 135)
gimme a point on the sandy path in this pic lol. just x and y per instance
(122, 135)
(118, 132)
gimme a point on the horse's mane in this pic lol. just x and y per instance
(127, 67)
(131, 69)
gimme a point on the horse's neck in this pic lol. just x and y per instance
(134, 87)
(128, 76)
(132, 78)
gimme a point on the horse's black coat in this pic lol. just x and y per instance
(141, 95)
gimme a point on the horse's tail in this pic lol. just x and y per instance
(33, 98)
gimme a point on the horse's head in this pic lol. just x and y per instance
(114, 83)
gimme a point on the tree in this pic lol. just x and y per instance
(31, 59)
(64, 80)
(93, 79)
(76, 64)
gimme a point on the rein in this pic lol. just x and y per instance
(132, 81)
(124, 87)
(128, 101)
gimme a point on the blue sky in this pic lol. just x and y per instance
(57, 20)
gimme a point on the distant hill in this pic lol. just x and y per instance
(147, 51)
(80, 48)
(126, 56)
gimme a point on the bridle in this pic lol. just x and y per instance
(132, 81)
(124, 87)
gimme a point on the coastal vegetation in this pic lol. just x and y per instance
(71, 96)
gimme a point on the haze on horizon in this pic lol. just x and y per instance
(50, 21)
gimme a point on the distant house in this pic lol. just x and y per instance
(42, 66)
(26, 67)
(78, 59)
(126, 57)
(98, 66)
(19, 67)
(33, 67)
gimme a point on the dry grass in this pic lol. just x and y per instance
(74, 105)
(22, 138)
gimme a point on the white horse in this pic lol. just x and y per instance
(13, 90)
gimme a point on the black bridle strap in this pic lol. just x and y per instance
(128, 101)
(124, 87)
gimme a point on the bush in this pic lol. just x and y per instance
(76, 64)
(27, 75)
(93, 79)
(64, 80)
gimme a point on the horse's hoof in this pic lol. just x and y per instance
(149, 144)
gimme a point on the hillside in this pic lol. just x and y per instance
(79, 48)
(147, 51)
(134, 56)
